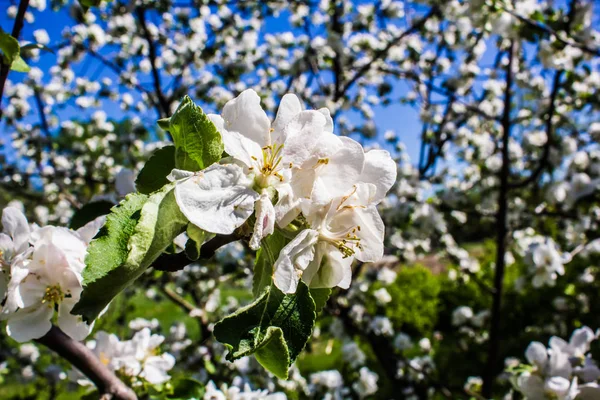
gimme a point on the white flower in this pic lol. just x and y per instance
(153, 367)
(263, 155)
(218, 199)
(461, 315)
(321, 256)
(45, 273)
(546, 262)
(366, 384)
(382, 296)
(14, 240)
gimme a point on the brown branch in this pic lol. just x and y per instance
(178, 261)
(84, 360)
(383, 52)
(16, 32)
(162, 101)
(502, 232)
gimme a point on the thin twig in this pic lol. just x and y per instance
(502, 231)
(16, 32)
(85, 361)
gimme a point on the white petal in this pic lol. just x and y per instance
(293, 259)
(241, 148)
(557, 385)
(328, 120)
(265, 221)
(179, 174)
(30, 323)
(218, 199)
(371, 234)
(581, 339)
(15, 225)
(341, 173)
(245, 115)
(289, 107)
(287, 207)
(89, 230)
(537, 354)
(125, 182)
(381, 170)
(559, 364)
(72, 325)
(156, 367)
(532, 386)
(303, 133)
(328, 269)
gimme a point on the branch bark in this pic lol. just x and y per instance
(16, 32)
(502, 231)
(82, 358)
(162, 100)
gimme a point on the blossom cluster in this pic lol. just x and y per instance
(40, 273)
(296, 174)
(563, 371)
(138, 359)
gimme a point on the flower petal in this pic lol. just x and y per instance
(72, 325)
(15, 225)
(265, 221)
(293, 259)
(328, 269)
(289, 107)
(30, 323)
(218, 199)
(241, 148)
(537, 354)
(245, 115)
(381, 170)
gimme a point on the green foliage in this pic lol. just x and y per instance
(197, 237)
(89, 212)
(414, 300)
(135, 234)
(11, 53)
(197, 141)
(154, 174)
(272, 323)
(265, 259)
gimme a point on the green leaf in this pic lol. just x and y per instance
(197, 238)
(109, 249)
(135, 237)
(274, 354)
(154, 174)
(36, 46)
(164, 123)
(9, 46)
(20, 65)
(90, 212)
(198, 142)
(320, 296)
(255, 327)
(187, 389)
(265, 259)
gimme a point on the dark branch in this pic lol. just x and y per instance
(383, 52)
(162, 101)
(16, 32)
(85, 361)
(178, 261)
(502, 232)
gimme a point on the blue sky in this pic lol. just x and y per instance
(403, 119)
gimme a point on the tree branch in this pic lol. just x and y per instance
(16, 32)
(82, 358)
(178, 261)
(383, 52)
(502, 231)
(162, 101)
